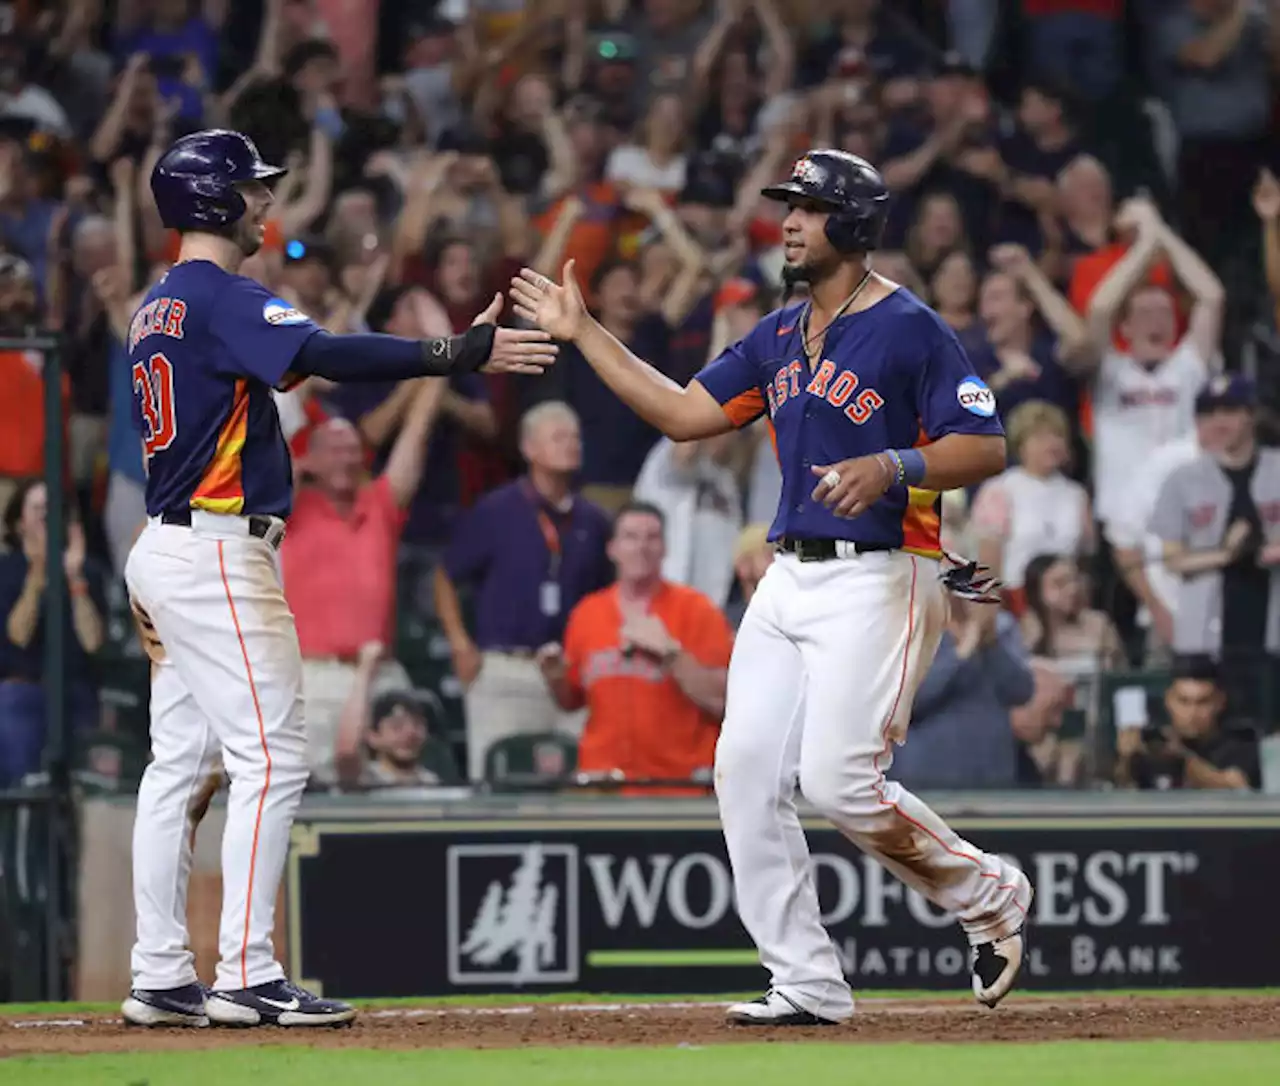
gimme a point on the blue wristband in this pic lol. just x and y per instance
(913, 468)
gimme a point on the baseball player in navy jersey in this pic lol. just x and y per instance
(207, 347)
(875, 410)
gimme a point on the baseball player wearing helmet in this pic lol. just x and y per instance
(875, 411)
(207, 348)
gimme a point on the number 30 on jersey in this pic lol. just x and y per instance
(153, 388)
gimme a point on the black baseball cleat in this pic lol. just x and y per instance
(774, 1009)
(183, 1006)
(276, 1003)
(996, 966)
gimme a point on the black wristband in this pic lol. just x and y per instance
(466, 353)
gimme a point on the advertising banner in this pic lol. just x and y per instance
(414, 909)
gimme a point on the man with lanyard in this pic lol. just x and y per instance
(529, 551)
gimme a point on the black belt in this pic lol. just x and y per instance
(823, 550)
(259, 527)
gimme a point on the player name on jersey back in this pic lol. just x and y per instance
(206, 348)
(159, 317)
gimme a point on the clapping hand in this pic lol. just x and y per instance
(515, 350)
(646, 633)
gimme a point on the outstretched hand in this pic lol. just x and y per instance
(515, 350)
(558, 309)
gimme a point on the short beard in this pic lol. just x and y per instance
(246, 237)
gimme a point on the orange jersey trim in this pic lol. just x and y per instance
(922, 518)
(745, 408)
(221, 489)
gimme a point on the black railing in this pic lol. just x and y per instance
(37, 823)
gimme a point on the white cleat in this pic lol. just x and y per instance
(996, 966)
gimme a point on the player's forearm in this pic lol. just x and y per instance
(704, 686)
(962, 460)
(375, 357)
(648, 392)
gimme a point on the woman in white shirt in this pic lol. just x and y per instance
(658, 162)
(1032, 508)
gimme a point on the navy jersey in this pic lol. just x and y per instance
(891, 377)
(205, 349)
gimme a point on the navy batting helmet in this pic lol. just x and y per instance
(850, 186)
(194, 182)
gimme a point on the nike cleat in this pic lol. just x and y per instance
(276, 1003)
(183, 1006)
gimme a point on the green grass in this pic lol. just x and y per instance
(1164, 1063)
(63, 1010)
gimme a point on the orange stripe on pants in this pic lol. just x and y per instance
(266, 784)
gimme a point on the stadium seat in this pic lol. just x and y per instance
(542, 756)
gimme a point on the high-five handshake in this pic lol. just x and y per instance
(556, 308)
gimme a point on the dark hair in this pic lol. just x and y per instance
(606, 268)
(647, 509)
(423, 704)
(1199, 667)
(1055, 91)
(304, 53)
(437, 246)
(384, 305)
(13, 510)
(1033, 585)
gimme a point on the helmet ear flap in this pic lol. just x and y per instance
(852, 231)
(218, 203)
(842, 231)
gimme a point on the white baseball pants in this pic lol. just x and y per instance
(226, 679)
(824, 671)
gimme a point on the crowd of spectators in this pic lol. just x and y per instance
(497, 574)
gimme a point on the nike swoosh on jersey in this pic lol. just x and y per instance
(784, 331)
(292, 1005)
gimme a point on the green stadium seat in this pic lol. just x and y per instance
(545, 755)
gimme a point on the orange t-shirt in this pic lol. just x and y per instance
(1092, 268)
(595, 235)
(340, 572)
(22, 413)
(638, 718)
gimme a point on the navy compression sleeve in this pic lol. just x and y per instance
(375, 357)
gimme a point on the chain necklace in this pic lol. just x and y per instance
(807, 341)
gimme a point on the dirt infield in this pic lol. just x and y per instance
(1025, 1019)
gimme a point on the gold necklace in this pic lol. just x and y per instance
(807, 341)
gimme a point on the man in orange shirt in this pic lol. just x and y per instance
(22, 381)
(649, 660)
(339, 560)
